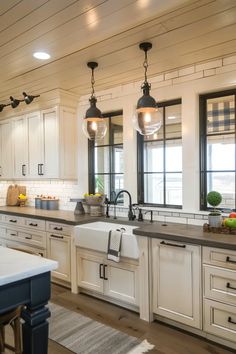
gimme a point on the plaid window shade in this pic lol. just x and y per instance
(220, 117)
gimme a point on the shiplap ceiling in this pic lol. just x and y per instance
(108, 31)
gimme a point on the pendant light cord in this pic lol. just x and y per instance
(145, 65)
(92, 83)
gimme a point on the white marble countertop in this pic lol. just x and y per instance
(16, 265)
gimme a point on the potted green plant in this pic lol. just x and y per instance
(214, 218)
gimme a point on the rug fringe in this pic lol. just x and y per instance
(143, 347)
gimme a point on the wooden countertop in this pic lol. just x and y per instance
(63, 216)
(168, 231)
(187, 233)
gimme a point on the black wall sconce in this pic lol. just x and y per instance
(14, 102)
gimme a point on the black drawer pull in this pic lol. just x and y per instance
(13, 234)
(100, 271)
(228, 286)
(172, 244)
(230, 260)
(231, 321)
(104, 272)
(32, 224)
(58, 228)
(28, 237)
(11, 220)
(57, 236)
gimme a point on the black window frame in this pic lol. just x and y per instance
(203, 144)
(91, 160)
(140, 160)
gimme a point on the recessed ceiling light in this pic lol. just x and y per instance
(171, 117)
(41, 55)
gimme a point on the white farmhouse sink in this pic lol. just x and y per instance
(94, 236)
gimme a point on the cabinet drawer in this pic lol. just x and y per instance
(20, 247)
(35, 224)
(220, 284)
(14, 220)
(2, 232)
(58, 228)
(220, 319)
(35, 239)
(219, 257)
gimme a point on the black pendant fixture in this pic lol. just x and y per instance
(147, 119)
(94, 125)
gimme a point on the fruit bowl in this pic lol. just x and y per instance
(94, 199)
(22, 199)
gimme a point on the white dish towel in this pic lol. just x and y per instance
(114, 244)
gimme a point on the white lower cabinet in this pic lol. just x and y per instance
(115, 280)
(59, 249)
(219, 270)
(176, 270)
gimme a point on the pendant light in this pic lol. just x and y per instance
(147, 118)
(94, 125)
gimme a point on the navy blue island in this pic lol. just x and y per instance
(25, 280)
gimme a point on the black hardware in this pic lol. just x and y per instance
(39, 169)
(28, 237)
(231, 321)
(131, 215)
(151, 214)
(100, 271)
(172, 244)
(107, 207)
(104, 272)
(228, 286)
(11, 220)
(58, 228)
(230, 260)
(140, 215)
(23, 170)
(57, 236)
(32, 224)
(13, 234)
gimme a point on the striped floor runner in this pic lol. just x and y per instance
(82, 335)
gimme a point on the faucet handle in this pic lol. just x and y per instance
(151, 213)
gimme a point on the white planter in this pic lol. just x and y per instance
(215, 220)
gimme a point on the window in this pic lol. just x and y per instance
(217, 147)
(106, 170)
(160, 160)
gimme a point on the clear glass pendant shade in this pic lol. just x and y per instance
(95, 128)
(147, 121)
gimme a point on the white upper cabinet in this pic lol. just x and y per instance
(20, 149)
(50, 124)
(38, 145)
(6, 150)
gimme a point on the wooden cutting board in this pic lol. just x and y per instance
(13, 192)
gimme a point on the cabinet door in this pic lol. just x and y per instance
(51, 143)
(58, 249)
(176, 281)
(35, 140)
(90, 272)
(121, 282)
(20, 147)
(6, 150)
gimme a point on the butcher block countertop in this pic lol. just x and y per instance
(169, 231)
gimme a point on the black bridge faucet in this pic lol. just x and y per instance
(131, 214)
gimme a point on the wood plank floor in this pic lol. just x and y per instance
(166, 339)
